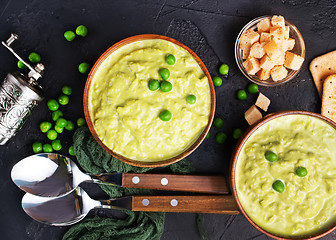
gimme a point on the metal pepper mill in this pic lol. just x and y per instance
(19, 94)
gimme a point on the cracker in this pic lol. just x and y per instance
(329, 98)
(321, 67)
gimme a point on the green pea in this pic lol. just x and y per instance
(52, 104)
(164, 73)
(218, 122)
(301, 171)
(69, 35)
(52, 134)
(165, 115)
(221, 137)
(37, 147)
(278, 186)
(34, 57)
(57, 114)
(63, 99)
(271, 156)
(81, 122)
(153, 85)
(207, 136)
(56, 145)
(72, 151)
(237, 133)
(84, 68)
(217, 81)
(67, 90)
(241, 95)
(61, 122)
(58, 129)
(166, 86)
(70, 126)
(21, 65)
(81, 30)
(224, 69)
(47, 148)
(252, 88)
(170, 59)
(191, 99)
(45, 126)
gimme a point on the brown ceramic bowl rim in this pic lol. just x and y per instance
(240, 146)
(95, 67)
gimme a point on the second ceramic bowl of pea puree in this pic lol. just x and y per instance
(284, 175)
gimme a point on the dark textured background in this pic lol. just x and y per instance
(41, 24)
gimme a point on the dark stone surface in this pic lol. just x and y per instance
(41, 24)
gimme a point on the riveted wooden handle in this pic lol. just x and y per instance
(173, 182)
(223, 204)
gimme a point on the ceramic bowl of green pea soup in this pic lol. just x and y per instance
(149, 101)
(284, 175)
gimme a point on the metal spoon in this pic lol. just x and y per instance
(74, 206)
(51, 175)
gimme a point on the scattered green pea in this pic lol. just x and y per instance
(221, 137)
(237, 133)
(72, 151)
(164, 73)
(165, 115)
(58, 129)
(63, 99)
(278, 186)
(81, 30)
(301, 171)
(45, 126)
(224, 69)
(170, 59)
(153, 85)
(84, 68)
(52, 104)
(191, 99)
(271, 156)
(51, 134)
(166, 86)
(56, 145)
(47, 148)
(34, 57)
(21, 65)
(67, 90)
(70, 126)
(57, 114)
(218, 122)
(69, 35)
(81, 122)
(217, 81)
(252, 88)
(61, 122)
(207, 136)
(241, 95)
(37, 147)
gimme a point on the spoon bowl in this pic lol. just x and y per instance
(47, 174)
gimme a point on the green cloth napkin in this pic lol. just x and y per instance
(137, 225)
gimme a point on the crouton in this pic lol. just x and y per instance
(252, 115)
(278, 73)
(262, 102)
(293, 61)
(251, 65)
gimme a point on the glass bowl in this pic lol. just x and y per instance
(298, 49)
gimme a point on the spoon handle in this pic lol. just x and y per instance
(173, 182)
(223, 204)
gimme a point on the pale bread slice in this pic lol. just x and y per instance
(321, 67)
(329, 98)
